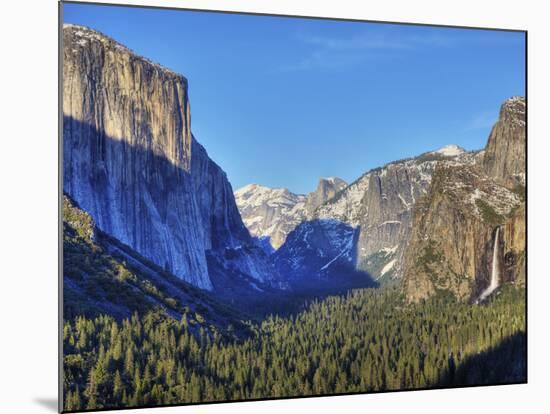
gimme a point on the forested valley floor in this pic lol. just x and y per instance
(366, 341)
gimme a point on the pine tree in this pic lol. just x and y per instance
(117, 385)
(129, 362)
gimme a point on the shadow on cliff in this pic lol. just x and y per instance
(91, 158)
(505, 363)
(172, 214)
(104, 156)
(147, 185)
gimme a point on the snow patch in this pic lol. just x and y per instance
(389, 250)
(389, 266)
(389, 222)
(345, 251)
(407, 205)
(450, 150)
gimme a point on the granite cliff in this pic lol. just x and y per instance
(504, 158)
(451, 246)
(326, 189)
(103, 276)
(132, 163)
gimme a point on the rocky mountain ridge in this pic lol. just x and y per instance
(403, 221)
(132, 163)
(270, 214)
(366, 225)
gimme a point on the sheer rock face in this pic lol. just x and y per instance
(131, 162)
(385, 213)
(451, 245)
(514, 266)
(504, 157)
(326, 190)
(454, 225)
(320, 252)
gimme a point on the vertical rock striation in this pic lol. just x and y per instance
(504, 158)
(385, 214)
(131, 161)
(514, 266)
(379, 206)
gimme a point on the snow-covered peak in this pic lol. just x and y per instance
(451, 150)
(250, 188)
(256, 195)
(270, 213)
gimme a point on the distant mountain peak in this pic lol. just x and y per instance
(260, 188)
(332, 180)
(249, 187)
(272, 213)
(450, 150)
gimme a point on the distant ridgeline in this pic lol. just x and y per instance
(168, 277)
(132, 163)
(427, 223)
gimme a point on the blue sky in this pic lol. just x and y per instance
(283, 101)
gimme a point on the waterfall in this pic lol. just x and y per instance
(494, 270)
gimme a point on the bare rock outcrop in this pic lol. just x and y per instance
(326, 190)
(504, 158)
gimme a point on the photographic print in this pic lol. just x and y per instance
(260, 206)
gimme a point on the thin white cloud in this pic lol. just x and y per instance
(325, 60)
(337, 53)
(368, 40)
